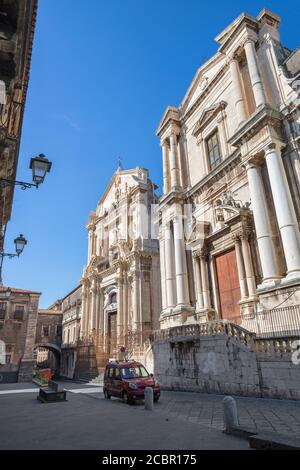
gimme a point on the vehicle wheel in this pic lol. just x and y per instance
(125, 398)
(156, 399)
(106, 395)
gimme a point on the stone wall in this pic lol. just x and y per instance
(225, 361)
(280, 376)
(17, 332)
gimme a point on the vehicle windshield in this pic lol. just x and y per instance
(138, 372)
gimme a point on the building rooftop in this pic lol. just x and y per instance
(17, 291)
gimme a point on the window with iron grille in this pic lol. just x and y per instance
(2, 310)
(19, 312)
(213, 150)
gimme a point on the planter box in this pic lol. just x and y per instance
(40, 384)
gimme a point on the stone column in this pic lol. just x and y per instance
(174, 168)
(263, 227)
(250, 277)
(237, 90)
(285, 212)
(240, 266)
(163, 272)
(120, 321)
(166, 166)
(180, 262)
(204, 279)
(169, 267)
(101, 315)
(135, 300)
(85, 311)
(93, 307)
(126, 304)
(202, 145)
(90, 245)
(198, 281)
(255, 77)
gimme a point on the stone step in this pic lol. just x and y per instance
(86, 377)
(97, 380)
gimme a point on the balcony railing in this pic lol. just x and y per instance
(277, 322)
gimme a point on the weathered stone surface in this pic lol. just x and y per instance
(223, 365)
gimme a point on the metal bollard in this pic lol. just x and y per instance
(149, 402)
(230, 413)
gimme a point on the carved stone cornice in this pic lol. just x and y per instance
(215, 175)
(171, 198)
(263, 116)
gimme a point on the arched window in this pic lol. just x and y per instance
(113, 298)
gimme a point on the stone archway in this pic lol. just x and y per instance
(55, 350)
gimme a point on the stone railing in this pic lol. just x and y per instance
(275, 347)
(213, 328)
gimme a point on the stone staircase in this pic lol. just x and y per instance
(97, 380)
(86, 377)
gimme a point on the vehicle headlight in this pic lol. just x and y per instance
(133, 386)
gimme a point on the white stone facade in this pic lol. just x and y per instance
(231, 161)
(121, 286)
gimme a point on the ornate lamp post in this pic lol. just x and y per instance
(40, 166)
(20, 243)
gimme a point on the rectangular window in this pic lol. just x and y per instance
(213, 150)
(9, 349)
(2, 310)
(19, 312)
(46, 330)
(58, 330)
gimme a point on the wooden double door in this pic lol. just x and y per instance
(228, 286)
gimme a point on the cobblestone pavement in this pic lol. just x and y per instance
(280, 416)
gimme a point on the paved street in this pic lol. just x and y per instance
(88, 421)
(281, 416)
(98, 419)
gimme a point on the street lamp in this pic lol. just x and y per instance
(39, 165)
(8, 293)
(20, 243)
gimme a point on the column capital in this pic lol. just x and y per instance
(174, 131)
(164, 143)
(248, 40)
(274, 145)
(201, 253)
(236, 237)
(233, 57)
(254, 161)
(241, 234)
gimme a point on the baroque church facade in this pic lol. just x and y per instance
(223, 241)
(230, 210)
(121, 282)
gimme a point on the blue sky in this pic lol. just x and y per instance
(102, 75)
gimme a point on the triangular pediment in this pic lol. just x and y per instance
(202, 81)
(207, 115)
